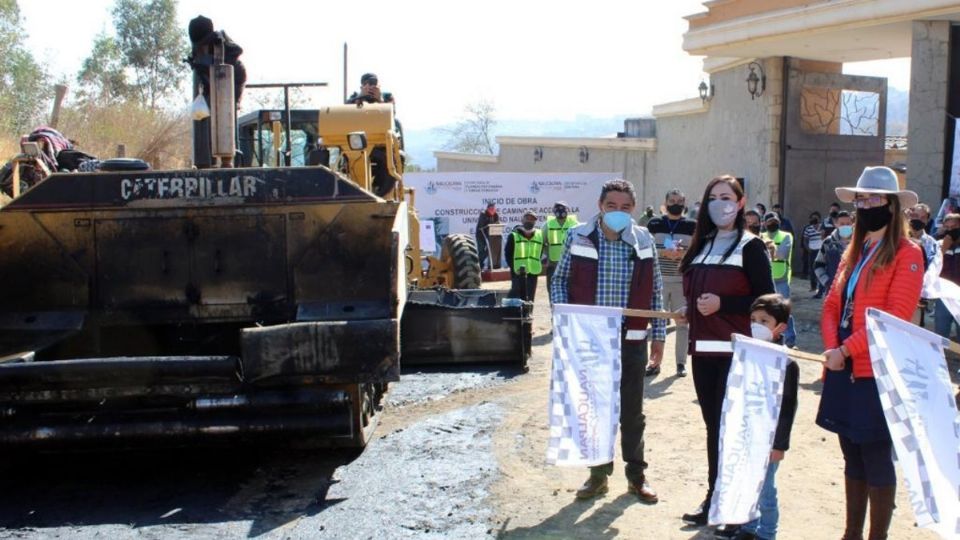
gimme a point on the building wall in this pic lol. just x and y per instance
(929, 75)
(736, 135)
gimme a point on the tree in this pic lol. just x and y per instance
(24, 87)
(152, 47)
(473, 133)
(102, 77)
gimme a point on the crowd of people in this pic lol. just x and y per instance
(728, 270)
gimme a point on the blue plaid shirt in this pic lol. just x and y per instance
(615, 269)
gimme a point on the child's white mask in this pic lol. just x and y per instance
(761, 332)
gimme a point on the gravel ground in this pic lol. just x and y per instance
(430, 385)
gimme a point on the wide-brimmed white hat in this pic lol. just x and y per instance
(881, 181)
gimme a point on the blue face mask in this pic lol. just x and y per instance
(845, 230)
(616, 221)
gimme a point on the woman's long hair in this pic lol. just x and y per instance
(705, 225)
(896, 230)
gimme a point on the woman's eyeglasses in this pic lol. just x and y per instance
(870, 202)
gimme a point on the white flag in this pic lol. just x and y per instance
(944, 290)
(748, 424)
(919, 407)
(585, 385)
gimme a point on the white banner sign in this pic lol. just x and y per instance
(920, 410)
(748, 424)
(454, 200)
(585, 385)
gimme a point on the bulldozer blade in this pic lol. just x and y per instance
(464, 326)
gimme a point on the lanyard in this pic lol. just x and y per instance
(672, 225)
(855, 275)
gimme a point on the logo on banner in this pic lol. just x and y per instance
(534, 187)
(431, 188)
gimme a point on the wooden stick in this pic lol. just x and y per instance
(798, 355)
(650, 314)
(803, 355)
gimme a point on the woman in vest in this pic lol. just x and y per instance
(724, 271)
(881, 268)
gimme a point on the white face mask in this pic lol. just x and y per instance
(761, 332)
(722, 213)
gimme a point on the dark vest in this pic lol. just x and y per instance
(584, 272)
(710, 336)
(951, 264)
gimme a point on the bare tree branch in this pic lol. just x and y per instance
(473, 134)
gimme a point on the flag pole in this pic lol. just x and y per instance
(793, 353)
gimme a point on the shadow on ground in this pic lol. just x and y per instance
(589, 519)
(268, 488)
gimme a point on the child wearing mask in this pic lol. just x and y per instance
(768, 320)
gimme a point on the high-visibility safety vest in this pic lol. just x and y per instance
(527, 251)
(557, 235)
(781, 268)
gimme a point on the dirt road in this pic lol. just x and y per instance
(458, 454)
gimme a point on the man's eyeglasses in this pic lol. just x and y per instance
(870, 202)
(371, 82)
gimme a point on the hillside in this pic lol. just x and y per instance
(421, 143)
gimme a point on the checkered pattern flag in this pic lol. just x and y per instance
(944, 290)
(918, 404)
(748, 424)
(584, 385)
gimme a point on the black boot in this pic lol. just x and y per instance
(699, 516)
(882, 503)
(856, 491)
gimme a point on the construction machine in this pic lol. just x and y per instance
(210, 304)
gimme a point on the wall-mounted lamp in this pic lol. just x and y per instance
(584, 154)
(537, 154)
(706, 92)
(756, 84)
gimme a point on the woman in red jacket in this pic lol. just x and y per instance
(881, 268)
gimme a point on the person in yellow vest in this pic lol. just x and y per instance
(781, 266)
(555, 234)
(524, 252)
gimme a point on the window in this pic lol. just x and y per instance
(835, 111)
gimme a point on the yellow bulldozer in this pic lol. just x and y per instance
(239, 301)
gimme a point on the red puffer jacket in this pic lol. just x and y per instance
(894, 289)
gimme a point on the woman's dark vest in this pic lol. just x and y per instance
(710, 336)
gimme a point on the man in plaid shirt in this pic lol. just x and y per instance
(612, 261)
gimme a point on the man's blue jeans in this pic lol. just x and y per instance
(766, 525)
(790, 336)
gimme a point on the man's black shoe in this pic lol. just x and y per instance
(726, 532)
(681, 370)
(699, 516)
(652, 371)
